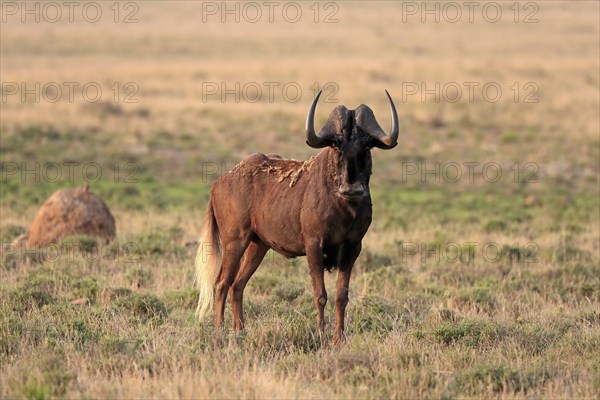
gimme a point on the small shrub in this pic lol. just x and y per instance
(372, 314)
(36, 390)
(283, 334)
(140, 277)
(84, 243)
(87, 287)
(118, 345)
(39, 289)
(82, 333)
(480, 296)
(160, 242)
(424, 378)
(517, 215)
(264, 284)
(472, 333)
(590, 318)
(596, 376)
(519, 254)
(392, 276)
(447, 315)
(288, 292)
(372, 261)
(501, 378)
(10, 232)
(9, 260)
(51, 381)
(117, 295)
(358, 375)
(495, 226)
(148, 306)
(569, 253)
(186, 298)
(152, 244)
(535, 338)
(591, 290)
(509, 137)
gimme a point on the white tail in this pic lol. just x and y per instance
(208, 262)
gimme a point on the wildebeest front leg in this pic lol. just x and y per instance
(346, 262)
(341, 300)
(314, 254)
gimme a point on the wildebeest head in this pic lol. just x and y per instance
(353, 133)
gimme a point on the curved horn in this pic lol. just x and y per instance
(312, 139)
(366, 120)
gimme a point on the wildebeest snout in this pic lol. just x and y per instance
(355, 189)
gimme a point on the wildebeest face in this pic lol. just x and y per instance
(354, 168)
(353, 133)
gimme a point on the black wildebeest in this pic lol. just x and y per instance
(320, 208)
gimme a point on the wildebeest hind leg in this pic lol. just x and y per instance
(232, 254)
(252, 258)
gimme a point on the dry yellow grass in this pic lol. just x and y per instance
(417, 328)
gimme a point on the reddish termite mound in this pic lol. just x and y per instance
(71, 212)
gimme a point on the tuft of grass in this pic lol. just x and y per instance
(87, 287)
(288, 292)
(147, 306)
(495, 225)
(10, 232)
(372, 261)
(49, 379)
(112, 345)
(83, 243)
(480, 296)
(140, 277)
(373, 314)
(501, 379)
(472, 333)
(184, 298)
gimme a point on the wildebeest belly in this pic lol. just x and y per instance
(276, 221)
